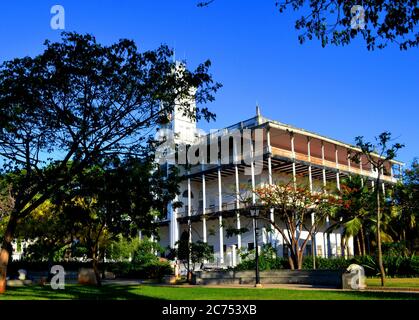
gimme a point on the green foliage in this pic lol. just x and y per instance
(145, 252)
(121, 249)
(326, 264)
(201, 251)
(395, 265)
(194, 252)
(183, 249)
(153, 269)
(268, 260)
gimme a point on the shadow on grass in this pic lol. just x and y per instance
(76, 292)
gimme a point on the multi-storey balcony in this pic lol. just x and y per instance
(211, 193)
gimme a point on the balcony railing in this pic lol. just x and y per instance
(226, 206)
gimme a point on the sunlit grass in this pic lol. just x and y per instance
(123, 292)
(395, 282)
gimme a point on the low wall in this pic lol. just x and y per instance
(326, 278)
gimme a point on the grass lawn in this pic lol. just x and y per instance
(394, 282)
(118, 292)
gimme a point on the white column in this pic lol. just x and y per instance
(349, 167)
(310, 176)
(239, 237)
(391, 171)
(313, 236)
(237, 180)
(252, 170)
(189, 198)
(337, 168)
(270, 181)
(372, 181)
(310, 179)
(220, 217)
(294, 170)
(324, 168)
(204, 205)
(189, 211)
(174, 225)
(382, 182)
(233, 255)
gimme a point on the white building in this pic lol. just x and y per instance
(211, 193)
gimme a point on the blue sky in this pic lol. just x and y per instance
(341, 92)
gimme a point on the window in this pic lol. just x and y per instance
(250, 246)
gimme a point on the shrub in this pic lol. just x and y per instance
(396, 266)
(152, 270)
(268, 260)
(325, 263)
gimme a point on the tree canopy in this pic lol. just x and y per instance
(79, 104)
(338, 22)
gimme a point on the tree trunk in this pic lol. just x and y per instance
(358, 242)
(300, 259)
(380, 253)
(291, 262)
(6, 250)
(96, 268)
(364, 251)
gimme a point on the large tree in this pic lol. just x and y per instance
(338, 22)
(299, 209)
(79, 102)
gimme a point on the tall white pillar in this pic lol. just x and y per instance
(391, 171)
(237, 180)
(337, 168)
(189, 211)
(294, 169)
(204, 206)
(270, 181)
(382, 183)
(310, 179)
(174, 224)
(349, 167)
(324, 167)
(310, 175)
(372, 180)
(239, 237)
(220, 217)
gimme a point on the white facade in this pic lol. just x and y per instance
(211, 193)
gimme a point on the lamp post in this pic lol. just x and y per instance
(254, 212)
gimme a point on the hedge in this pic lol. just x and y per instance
(394, 266)
(152, 270)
